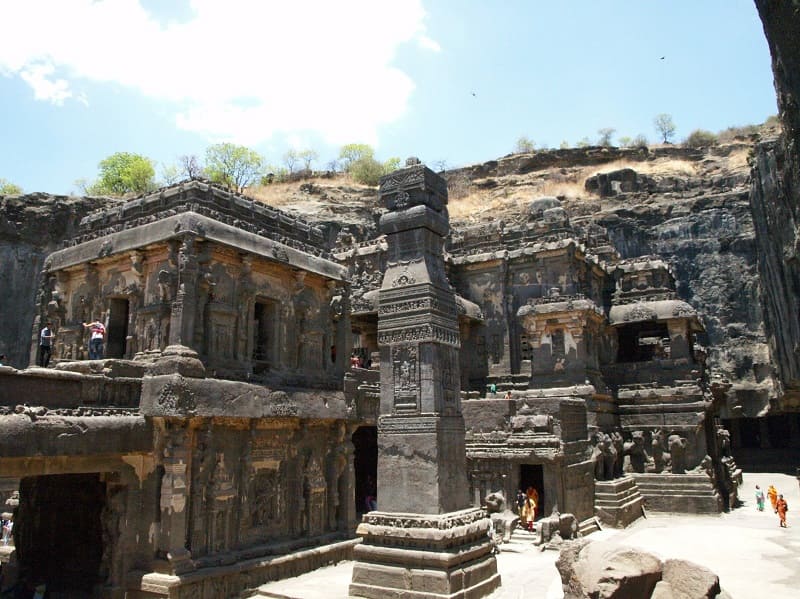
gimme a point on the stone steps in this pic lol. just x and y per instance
(617, 502)
(680, 493)
(589, 526)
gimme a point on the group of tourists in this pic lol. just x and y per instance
(779, 505)
(527, 503)
(97, 334)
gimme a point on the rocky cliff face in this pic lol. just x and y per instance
(31, 226)
(775, 200)
(688, 206)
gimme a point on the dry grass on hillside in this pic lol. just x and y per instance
(283, 194)
(669, 167)
(738, 159)
(482, 204)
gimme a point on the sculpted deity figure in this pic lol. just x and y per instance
(635, 449)
(677, 450)
(657, 451)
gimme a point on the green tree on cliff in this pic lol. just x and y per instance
(605, 134)
(231, 165)
(7, 188)
(124, 172)
(665, 126)
(350, 153)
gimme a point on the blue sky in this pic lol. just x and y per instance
(446, 80)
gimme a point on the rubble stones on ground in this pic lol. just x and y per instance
(609, 570)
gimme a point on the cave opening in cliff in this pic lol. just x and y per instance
(642, 341)
(59, 533)
(365, 464)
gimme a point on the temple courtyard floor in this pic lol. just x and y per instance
(750, 553)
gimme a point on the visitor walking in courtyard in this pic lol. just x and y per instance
(98, 331)
(45, 345)
(759, 498)
(782, 507)
(772, 493)
(528, 514)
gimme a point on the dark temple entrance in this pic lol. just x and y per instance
(365, 462)
(532, 475)
(264, 335)
(117, 328)
(58, 533)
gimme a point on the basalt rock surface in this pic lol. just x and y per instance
(775, 200)
(31, 227)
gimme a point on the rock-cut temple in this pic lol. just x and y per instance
(263, 387)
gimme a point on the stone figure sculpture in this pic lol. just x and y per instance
(635, 449)
(503, 519)
(677, 450)
(618, 444)
(657, 451)
(604, 457)
(557, 527)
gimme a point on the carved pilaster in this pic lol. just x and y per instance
(173, 501)
(184, 308)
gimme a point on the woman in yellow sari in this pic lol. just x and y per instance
(772, 493)
(528, 514)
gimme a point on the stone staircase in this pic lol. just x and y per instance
(589, 526)
(679, 493)
(617, 502)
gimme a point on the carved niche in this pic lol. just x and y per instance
(266, 506)
(405, 377)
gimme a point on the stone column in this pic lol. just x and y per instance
(679, 338)
(425, 541)
(173, 501)
(184, 308)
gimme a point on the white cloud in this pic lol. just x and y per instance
(238, 70)
(39, 77)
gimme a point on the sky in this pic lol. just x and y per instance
(450, 81)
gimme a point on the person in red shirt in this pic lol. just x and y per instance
(98, 334)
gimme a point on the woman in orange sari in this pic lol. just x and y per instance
(781, 507)
(528, 514)
(772, 493)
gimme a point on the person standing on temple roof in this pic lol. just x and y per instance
(98, 333)
(45, 345)
(782, 507)
(772, 493)
(759, 499)
(493, 389)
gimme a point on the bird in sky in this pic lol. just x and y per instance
(663, 57)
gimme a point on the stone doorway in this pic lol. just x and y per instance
(532, 475)
(59, 534)
(365, 463)
(264, 334)
(117, 328)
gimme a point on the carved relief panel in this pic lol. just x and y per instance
(405, 377)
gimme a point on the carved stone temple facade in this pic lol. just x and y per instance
(213, 439)
(226, 438)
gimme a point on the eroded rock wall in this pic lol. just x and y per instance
(704, 230)
(31, 226)
(775, 200)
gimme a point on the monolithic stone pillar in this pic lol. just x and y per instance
(425, 541)
(184, 308)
